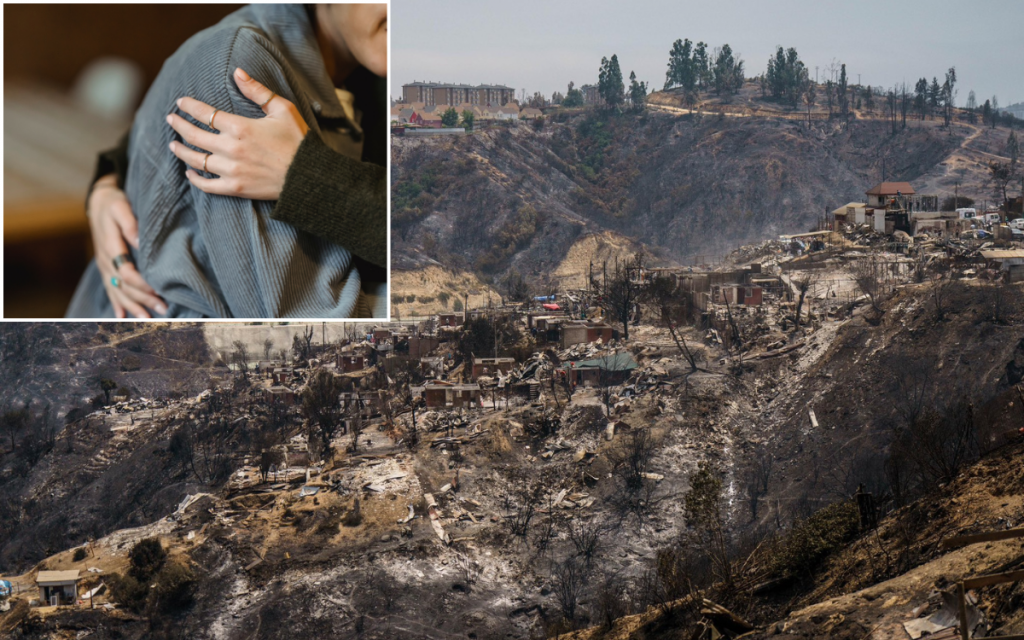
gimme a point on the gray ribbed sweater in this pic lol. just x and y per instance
(218, 256)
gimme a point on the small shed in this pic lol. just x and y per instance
(1008, 261)
(58, 588)
(585, 333)
(350, 363)
(280, 394)
(489, 366)
(611, 369)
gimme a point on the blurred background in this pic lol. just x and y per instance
(73, 76)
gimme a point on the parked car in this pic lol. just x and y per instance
(1017, 223)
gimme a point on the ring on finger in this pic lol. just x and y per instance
(205, 160)
(115, 282)
(121, 259)
(212, 115)
(272, 96)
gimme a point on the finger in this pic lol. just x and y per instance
(258, 93)
(193, 134)
(129, 305)
(118, 309)
(130, 275)
(201, 111)
(143, 298)
(198, 110)
(194, 159)
(113, 244)
(217, 186)
(121, 212)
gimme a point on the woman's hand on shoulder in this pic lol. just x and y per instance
(251, 156)
(113, 225)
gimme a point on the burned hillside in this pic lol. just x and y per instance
(689, 187)
(662, 451)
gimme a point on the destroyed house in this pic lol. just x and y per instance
(882, 193)
(432, 366)
(739, 295)
(585, 333)
(420, 346)
(607, 370)
(490, 366)
(545, 322)
(280, 394)
(351, 362)
(449, 319)
(848, 214)
(366, 402)
(283, 375)
(266, 367)
(58, 588)
(438, 394)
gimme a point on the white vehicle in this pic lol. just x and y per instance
(991, 218)
(967, 213)
(1017, 224)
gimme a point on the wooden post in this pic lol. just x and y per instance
(961, 598)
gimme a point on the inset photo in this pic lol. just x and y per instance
(185, 161)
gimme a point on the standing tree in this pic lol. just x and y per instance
(302, 347)
(321, 406)
(1001, 174)
(921, 98)
(934, 95)
(1012, 150)
(13, 421)
(702, 505)
(268, 347)
(842, 94)
(573, 97)
(107, 386)
(786, 76)
(728, 72)
(468, 119)
(621, 292)
(682, 70)
(637, 92)
(810, 97)
(240, 358)
(986, 114)
(949, 96)
(609, 82)
(450, 117)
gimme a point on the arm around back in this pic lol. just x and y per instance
(337, 198)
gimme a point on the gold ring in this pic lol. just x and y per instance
(204, 161)
(212, 115)
(272, 96)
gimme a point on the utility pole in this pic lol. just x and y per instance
(815, 74)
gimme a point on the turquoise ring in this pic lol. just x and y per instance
(115, 281)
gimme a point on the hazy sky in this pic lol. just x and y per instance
(541, 45)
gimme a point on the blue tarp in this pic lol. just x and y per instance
(5, 588)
